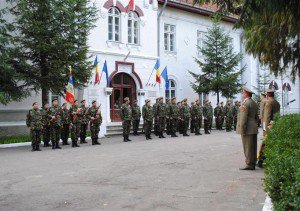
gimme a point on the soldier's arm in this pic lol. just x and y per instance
(244, 118)
(267, 114)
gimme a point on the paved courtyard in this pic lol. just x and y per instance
(185, 173)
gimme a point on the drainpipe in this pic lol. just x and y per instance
(158, 28)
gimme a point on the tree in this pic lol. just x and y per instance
(52, 36)
(220, 68)
(263, 82)
(13, 86)
(271, 31)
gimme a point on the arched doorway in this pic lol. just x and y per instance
(123, 86)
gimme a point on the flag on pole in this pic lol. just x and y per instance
(70, 96)
(106, 72)
(97, 79)
(131, 5)
(156, 67)
(164, 75)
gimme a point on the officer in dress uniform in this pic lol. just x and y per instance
(126, 116)
(148, 119)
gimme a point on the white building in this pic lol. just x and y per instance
(128, 41)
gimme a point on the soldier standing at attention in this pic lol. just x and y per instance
(168, 122)
(84, 122)
(180, 120)
(174, 113)
(262, 108)
(271, 108)
(136, 116)
(185, 116)
(247, 127)
(200, 114)
(218, 116)
(161, 114)
(192, 122)
(211, 115)
(148, 119)
(75, 113)
(65, 122)
(34, 121)
(228, 116)
(222, 116)
(206, 115)
(126, 116)
(46, 125)
(94, 115)
(195, 116)
(54, 114)
(235, 111)
(155, 116)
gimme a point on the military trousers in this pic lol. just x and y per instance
(168, 126)
(46, 134)
(155, 125)
(126, 124)
(35, 137)
(148, 127)
(186, 122)
(206, 124)
(83, 129)
(135, 125)
(174, 125)
(234, 122)
(65, 130)
(229, 123)
(250, 149)
(199, 122)
(95, 129)
(192, 126)
(161, 124)
(55, 133)
(75, 131)
(196, 126)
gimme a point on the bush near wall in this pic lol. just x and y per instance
(282, 172)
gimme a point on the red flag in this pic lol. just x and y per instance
(131, 5)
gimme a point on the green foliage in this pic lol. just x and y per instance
(53, 35)
(271, 31)
(282, 150)
(220, 68)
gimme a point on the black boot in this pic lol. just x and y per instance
(53, 145)
(76, 144)
(162, 135)
(125, 139)
(73, 143)
(33, 149)
(128, 138)
(96, 141)
(57, 145)
(206, 132)
(38, 148)
(147, 137)
(93, 141)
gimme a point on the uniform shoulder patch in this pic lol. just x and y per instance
(243, 108)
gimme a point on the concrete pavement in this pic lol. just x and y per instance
(185, 173)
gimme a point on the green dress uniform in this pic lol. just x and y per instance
(228, 117)
(95, 123)
(161, 115)
(46, 127)
(247, 127)
(235, 110)
(126, 116)
(185, 116)
(136, 116)
(65, 126)
(84, 122)
(207, 118)
(148, 120)
(55, 125)
(34, 121)
(262, 106)
(218, 117)
(174, 115)
(195, 116)
(76, 115)
(271, 108)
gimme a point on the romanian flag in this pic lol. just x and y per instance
(70, 96)
(156, 67)
(97, 78)
(164, 75)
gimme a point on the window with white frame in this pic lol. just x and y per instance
(169, 37)
(133, 28)
(172, 90)
(114, 18)
(200, 39)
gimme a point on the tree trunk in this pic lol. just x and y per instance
(218, 97)
(45, 96)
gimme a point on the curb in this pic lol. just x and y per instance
(268, 206)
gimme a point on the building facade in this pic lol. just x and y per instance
(131, 42)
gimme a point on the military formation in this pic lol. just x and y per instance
(55, 123)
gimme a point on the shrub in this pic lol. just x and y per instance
(282, 172)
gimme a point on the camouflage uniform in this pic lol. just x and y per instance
(136, 115)
(195, 116)
(65, 122)
(228, 117)
(168, 121)
(94, 124)
(222, 117)
(207, 117)
(180, 126)
(185, 116)
(218, 117)
(148, 120)
(55, 125)
(211, 116)
(126, 116)
(235, 110)
(174, 114)
(76, 116)
(46, 127)
(200, 113)
(34, 121)
(155, 118)
(83, 124)
(192, 123)
(161, 115)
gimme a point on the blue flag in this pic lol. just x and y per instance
(106, 72)
(164, 75)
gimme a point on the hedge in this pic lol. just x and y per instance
(282, 172)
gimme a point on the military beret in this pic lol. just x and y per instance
(147, 101)
(82, 101)
(161, 98)
(54, 99)
(184, 100)
(248, 90)
(75, 101)
(34, 103)
(197, 100)
(192, 103)
(126, 99)
(168, 100)
(64, 104)
(173, 98)
(94, 101)
(270, 90)
(206, 100)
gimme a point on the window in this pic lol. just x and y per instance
(172, 90)
(169, 37)
(114, 24)
(133, 28)
(200, 39)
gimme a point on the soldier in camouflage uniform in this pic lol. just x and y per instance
(222, 116)
(235, 111)
(54, 114)
(94, 115)
(84, 122)
(195, 116)
(46, 125)
(174, 114)
(200, 115)
(192, 123)
(155, 117)
(185, 116)
(136, 116)
(207, 116)
(168, 122)
(218, 116)
(126, 116)
(34, 121)
(228, 116)
(211, 115)
(65, 123)
(161, 115)
(148, 119)
(75, 113)
(180, 121)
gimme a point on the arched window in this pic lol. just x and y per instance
(273, 85)
(286, 89)
(172, 90)
(114, 24)
(133, 28)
